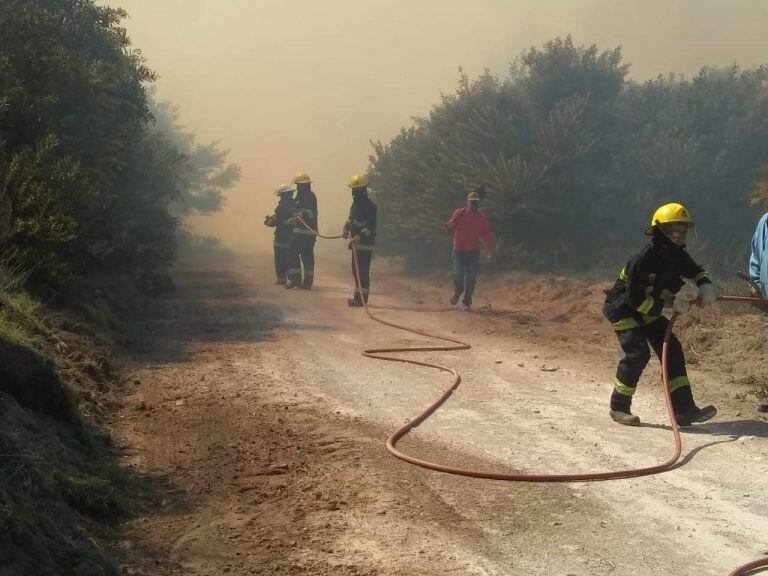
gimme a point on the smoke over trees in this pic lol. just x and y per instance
(207, 174)
(575, 158)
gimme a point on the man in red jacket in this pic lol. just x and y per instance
(471, 231)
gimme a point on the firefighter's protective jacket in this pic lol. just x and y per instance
(362, 222)
(282, 221)
(649, 282)
(306, 207)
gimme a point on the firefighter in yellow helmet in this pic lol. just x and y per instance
(302, 250)
(648, 283)
(361, 230)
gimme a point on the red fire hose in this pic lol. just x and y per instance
(751, 568)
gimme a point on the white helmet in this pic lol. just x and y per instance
(284, 189)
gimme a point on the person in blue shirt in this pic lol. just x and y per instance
(758, 268)
(758, 259)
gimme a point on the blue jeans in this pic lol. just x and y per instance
(465, 266)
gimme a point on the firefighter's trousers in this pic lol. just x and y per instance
(281, 260)
(634, 344)
(362, 273)
(302, 254)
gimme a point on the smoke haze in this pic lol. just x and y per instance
(302, 86)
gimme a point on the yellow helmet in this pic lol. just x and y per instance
(672, 213)
(358, 181)
(302, 179)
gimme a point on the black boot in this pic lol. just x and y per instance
(695, 414)
(686, 411)
(621, 410)
(355, 302)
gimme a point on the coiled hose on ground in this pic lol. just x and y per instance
(384, 354)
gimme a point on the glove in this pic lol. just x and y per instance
(681, 306)
(707, 294)
(353, 241)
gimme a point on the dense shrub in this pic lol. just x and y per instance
(575, 158)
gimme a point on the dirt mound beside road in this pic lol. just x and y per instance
(558, 299)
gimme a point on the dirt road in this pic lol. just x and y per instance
(267, 429)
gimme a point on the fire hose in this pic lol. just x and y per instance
(454, 345)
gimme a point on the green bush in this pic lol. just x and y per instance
(575, 159)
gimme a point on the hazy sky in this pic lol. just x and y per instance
(302, 85)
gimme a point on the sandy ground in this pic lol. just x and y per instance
(266, 427)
